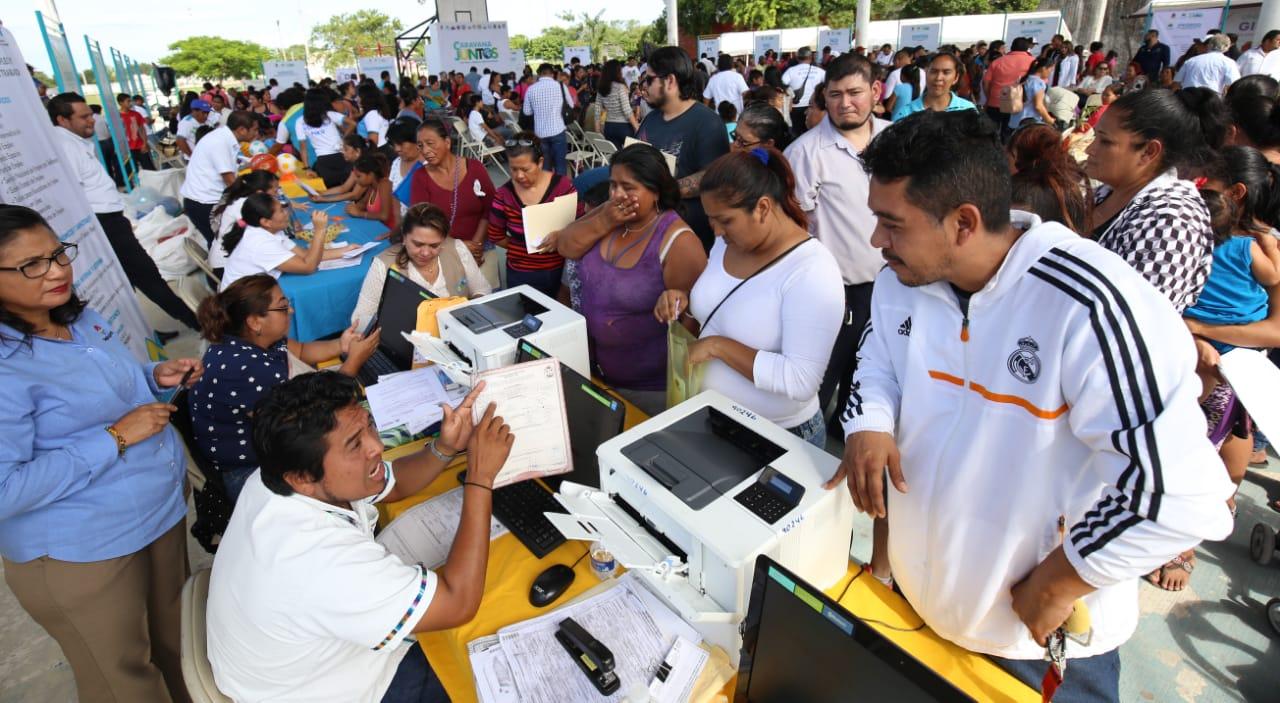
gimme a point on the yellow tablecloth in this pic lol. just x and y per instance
(512, 569)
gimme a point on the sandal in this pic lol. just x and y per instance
(1168, 577)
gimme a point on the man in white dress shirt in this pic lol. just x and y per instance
(1211, 69)
(73, 131)
(1250, 62)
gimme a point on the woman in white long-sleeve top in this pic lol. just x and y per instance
(769, 304)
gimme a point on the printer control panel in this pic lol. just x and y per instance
(771, 496)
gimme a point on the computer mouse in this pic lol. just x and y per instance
(550, 584)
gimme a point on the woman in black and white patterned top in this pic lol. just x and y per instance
(1144, 212)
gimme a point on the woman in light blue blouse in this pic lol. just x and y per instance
(91, 477)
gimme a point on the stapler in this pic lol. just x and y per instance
(595, 659)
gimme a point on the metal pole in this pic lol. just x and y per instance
(673, 35)
(862, 25)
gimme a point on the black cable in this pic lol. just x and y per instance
(585, 553)
(862, 569)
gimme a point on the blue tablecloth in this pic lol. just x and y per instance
(323, 301)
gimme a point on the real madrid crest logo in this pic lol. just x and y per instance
(1023, 362)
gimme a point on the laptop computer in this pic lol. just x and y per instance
(595, 416)
(397, 313)
(800, 645)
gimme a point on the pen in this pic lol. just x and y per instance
(181, 384)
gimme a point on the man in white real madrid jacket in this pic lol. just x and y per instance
(1012, 374)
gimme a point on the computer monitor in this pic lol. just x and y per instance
(799, 645)
(398, 312)
(595, 416)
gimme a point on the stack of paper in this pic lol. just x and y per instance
(544, 218)
(671, 160)
(524, 662)
(411, 399)
(424, 533)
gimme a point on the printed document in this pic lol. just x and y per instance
(410, 398)
(424, 533)
(544, 218)
(530, 399)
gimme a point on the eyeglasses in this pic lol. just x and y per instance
(37, 268)
(744, 144)
(288, 305)
(649, 79)
(511, 143)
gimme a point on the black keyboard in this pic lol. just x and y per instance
(520, 507)
(379, 364)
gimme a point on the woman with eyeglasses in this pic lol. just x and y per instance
(529, 185)
(247, 326)
(92, 516)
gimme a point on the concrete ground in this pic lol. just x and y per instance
(1210, 642)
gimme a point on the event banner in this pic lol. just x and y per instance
(373, 66)
(837, 39)
(286, 73)
(55, 42)
(1179, 28)
(458, 47)
(112, 112)
(581, 53)
(1041, 28)
(32, 173)
(345, 75)
(766, 41)
(518, 60)
(924, 33)
(709, 47)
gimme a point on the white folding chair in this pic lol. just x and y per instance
(197, 674)
(200, 255)
(478, 150)
(605, 148)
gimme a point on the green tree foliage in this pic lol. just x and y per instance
(345, 37)
(214, 58)
(605, 37)
(780, 14)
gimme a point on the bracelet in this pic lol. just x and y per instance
(120, 443)
(439, 454)
(478, 485)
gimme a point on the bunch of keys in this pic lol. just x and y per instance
(1079, 629)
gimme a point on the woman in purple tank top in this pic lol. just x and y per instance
(632, 248)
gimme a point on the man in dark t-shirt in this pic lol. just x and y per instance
(683, 127)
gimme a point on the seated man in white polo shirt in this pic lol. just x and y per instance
(304, 605)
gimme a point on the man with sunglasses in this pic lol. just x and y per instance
(73, 119)
(683, 127)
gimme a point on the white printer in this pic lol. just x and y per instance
(483, 332)
(689, 498)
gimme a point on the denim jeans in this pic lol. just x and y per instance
(546, 282)
(554, 150)
(1093, 679)
(415, 681)
(233, 480)
(813, 431)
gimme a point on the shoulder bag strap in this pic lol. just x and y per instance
(759, 271)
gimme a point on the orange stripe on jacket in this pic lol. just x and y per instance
(1001, 397)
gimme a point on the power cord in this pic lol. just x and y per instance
(861, 569)
(584, 554)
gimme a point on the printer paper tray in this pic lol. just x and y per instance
(595, 517)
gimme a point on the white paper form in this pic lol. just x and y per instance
(423, 534)
(1257, 381)
(674, 681)
(544, 218)
(638, 628)
(492, 674)
(530, 399)
(411, 398)
(342, 263)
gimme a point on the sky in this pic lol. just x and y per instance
(143, 29)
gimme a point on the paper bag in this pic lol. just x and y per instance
(683, 379)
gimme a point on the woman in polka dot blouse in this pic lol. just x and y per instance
(248, 325)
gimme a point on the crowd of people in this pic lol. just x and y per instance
(1003, 260)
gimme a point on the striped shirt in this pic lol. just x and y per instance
(506, 221)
